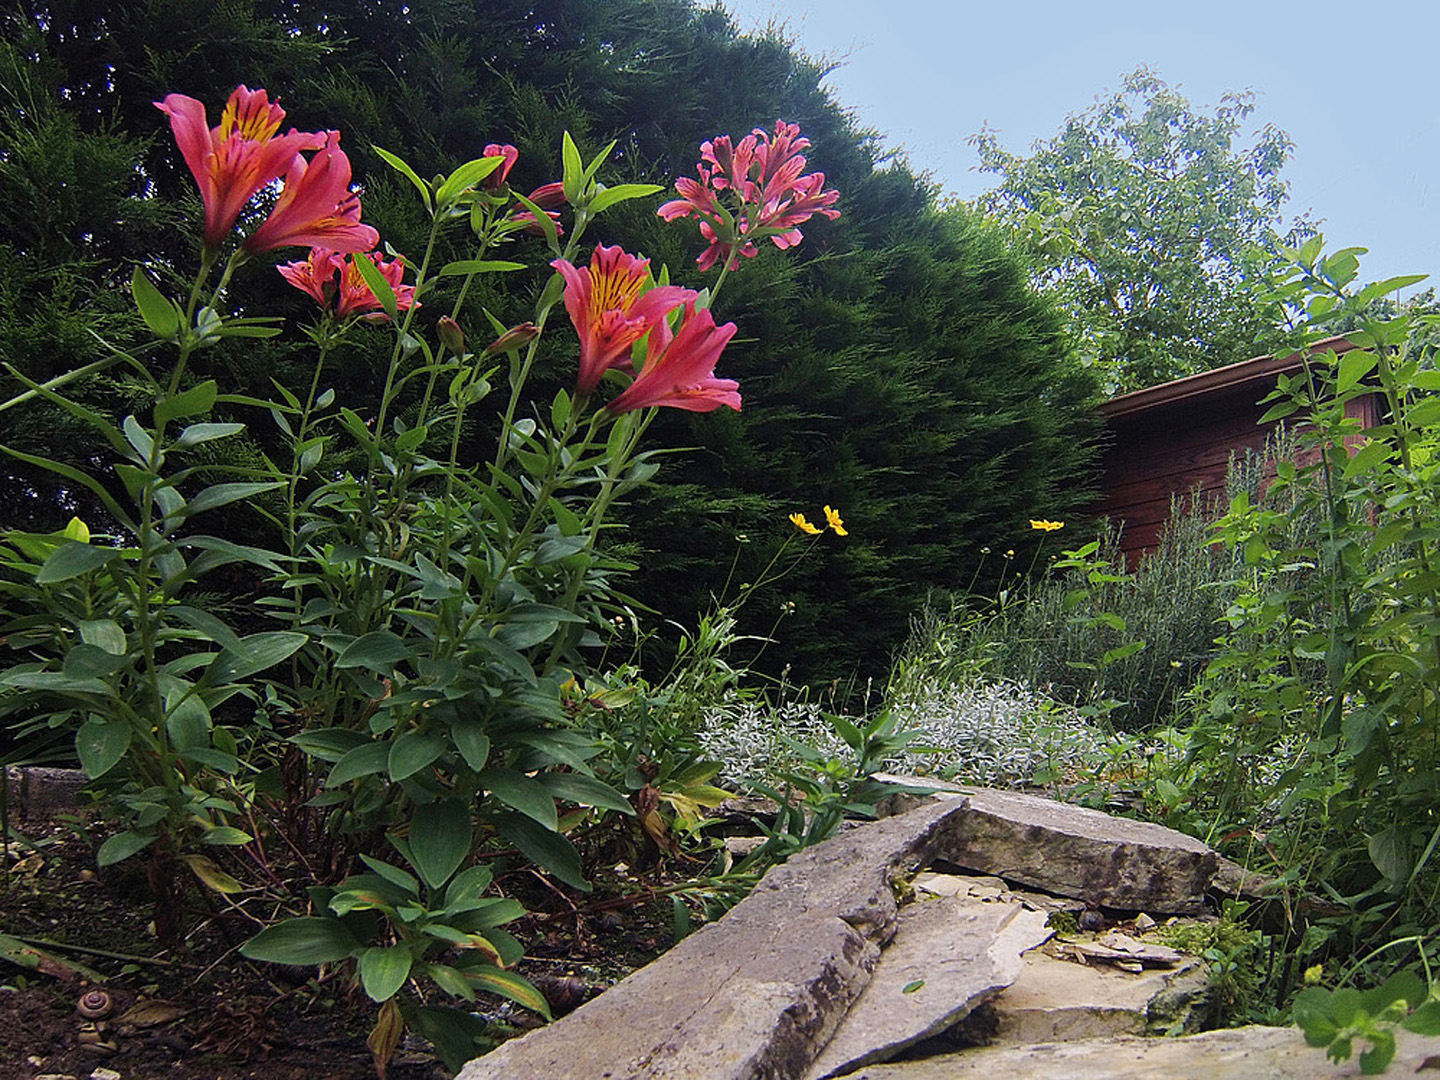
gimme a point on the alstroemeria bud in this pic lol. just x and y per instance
(517, 337)
(549, 196)
(496, 179)
(451, 336)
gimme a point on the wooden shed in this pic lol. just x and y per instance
(1178, 437)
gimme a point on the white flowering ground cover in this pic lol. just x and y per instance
(999, 734)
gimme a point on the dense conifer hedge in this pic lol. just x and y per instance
(900, 369)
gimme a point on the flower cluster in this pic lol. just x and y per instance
(832, 519)
(233, 161)
(613, 304)
(337, 285)
(750, 192)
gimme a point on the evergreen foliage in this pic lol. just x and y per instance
(901, 370)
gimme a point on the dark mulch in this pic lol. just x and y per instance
(202, 1012)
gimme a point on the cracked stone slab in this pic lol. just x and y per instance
(1054, 1000)
(948, 956)
(755, 995)
(1253, 1053)
(1076, 852)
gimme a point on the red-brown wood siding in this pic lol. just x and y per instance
(1179, 438)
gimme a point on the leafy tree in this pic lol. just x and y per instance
(1149, 219)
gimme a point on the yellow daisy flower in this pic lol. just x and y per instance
(1046, 526)
(832, 517)
(798, 520)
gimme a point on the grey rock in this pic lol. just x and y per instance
(1254, 1053)
(948, 956)
(37, 792)
(1054, 1000)
(756, 994)
(1080, 853)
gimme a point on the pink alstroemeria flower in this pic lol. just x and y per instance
(233, 161)
(316, 207)
(496, 179)
(612, 308)
(349, 295)
(767, 198)
(679, 370)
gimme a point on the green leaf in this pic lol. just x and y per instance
(1425, 1020)
(226, 836)
(1376, 1060)
(467, 886)
(217, 495)
(573, 176)
(608, 197)
(255, 652)
(55, 681)
(329, 744)
(378, 285)
(140, 440)
(364, 760)
(393, 874)
(196, 434)
(311, 939)
(121, 846)
(412, 752)
(549, 850)
(509, 985)
(71, 559)
(521, 792)
(379, 651)
(451, 981)
(160, 313)
(198, 399)
(100, 744)
(1367, 457)
(472, 742)
(205, 623)
(103, 634)
(1311, 1011)
(396, 163)
(1423, 413)
(1390, 853)
(465, 176)
(384, 969)
(1404, 986)
(440, 839)
(455, 1033)
(90, 661)
(465, 267)
(585, 791)
(1354, 366)
(224, 552)
(188, 723)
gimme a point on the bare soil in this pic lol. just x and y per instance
(200, 1011)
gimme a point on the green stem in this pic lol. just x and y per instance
(404, 329)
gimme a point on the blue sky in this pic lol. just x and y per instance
(1352, 84)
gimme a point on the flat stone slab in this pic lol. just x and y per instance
(1075, 852)
(948, 956)
(36, 792)
(761, 993)
(1253, 1053)
(1054, 1000)
(756, 994)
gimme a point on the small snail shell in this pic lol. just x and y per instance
(94, 1005)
